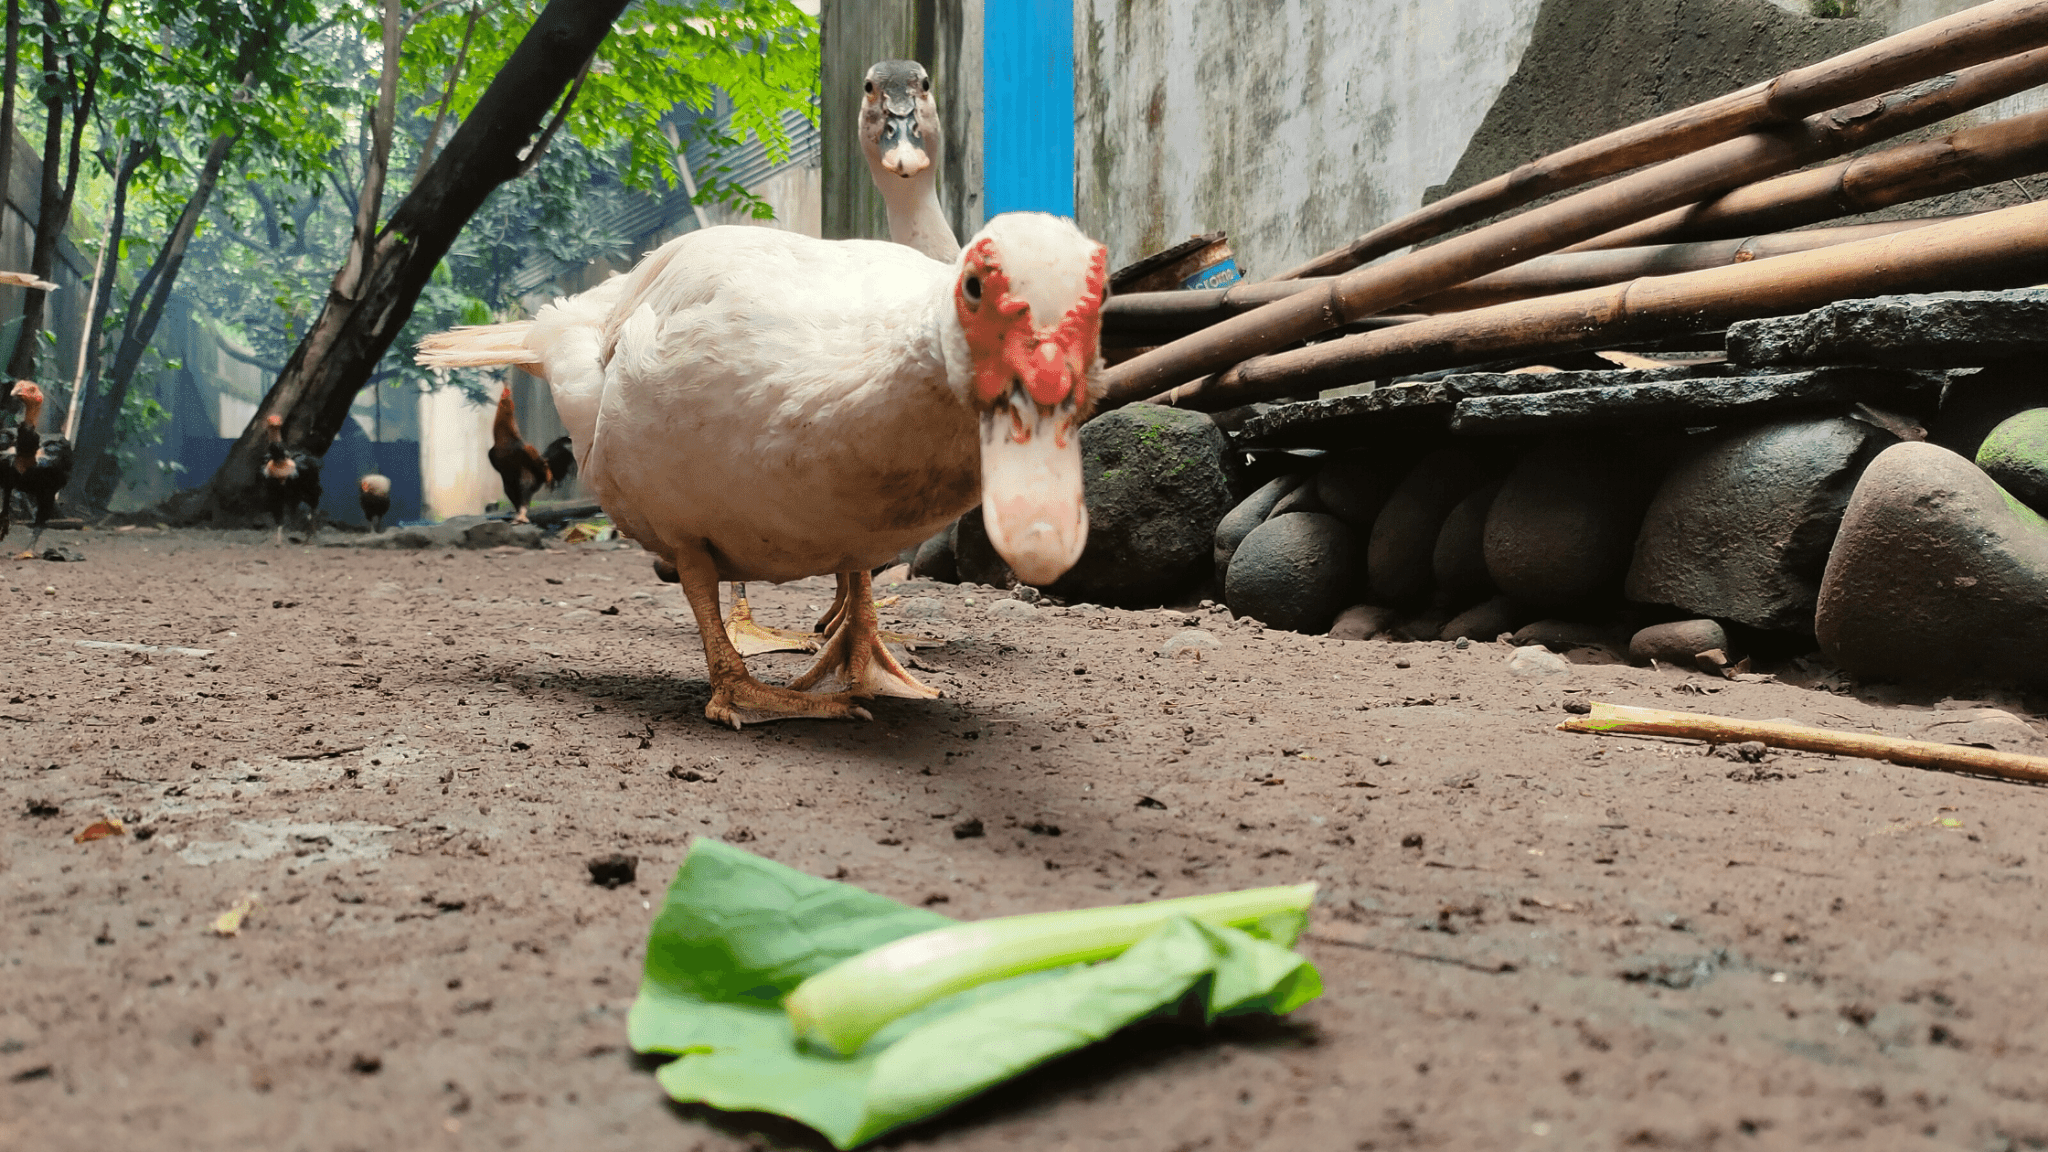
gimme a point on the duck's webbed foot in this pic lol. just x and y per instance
(855, 659)
(752, 639)
(736, 697)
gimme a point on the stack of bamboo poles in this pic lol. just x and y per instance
(1687, 237)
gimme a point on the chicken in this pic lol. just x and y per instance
(289, 479)
(518, 463)
(375, 499)
(561, 461)
(41, 465)
(758, 405)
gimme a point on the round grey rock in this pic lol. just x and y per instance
(1536, 660)
(934, 558)
(1938, 576)
(1459, 559)
(1400, 557)
(1354, 486)
(975, 559)
(1677, 642)
(1739, 530)
(1250, 512)
(1561, 529)
(1008, 609)
(2016, 455)
(1484, 621)
(1363, 622)
(1302, 499)
(1296, 572)
(1189, 644)
(1158, 481)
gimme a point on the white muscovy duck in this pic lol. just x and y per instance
(902, 141)
(751, 404)
(900, 136)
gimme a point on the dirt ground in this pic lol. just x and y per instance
(1529, 938)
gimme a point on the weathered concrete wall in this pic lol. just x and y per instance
(1299, 124)
(1592, 67)
(1291, 125)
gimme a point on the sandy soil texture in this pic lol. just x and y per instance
(1529, 938)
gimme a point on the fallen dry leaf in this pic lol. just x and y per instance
(100, 830)
(229, 923)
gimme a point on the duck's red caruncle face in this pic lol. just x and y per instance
(1030, 388)
(1012, 347)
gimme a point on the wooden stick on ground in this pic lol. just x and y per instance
(1980, 33)
(2007, 248)
(1581, 216)
(1970, 158)
(1624, 720)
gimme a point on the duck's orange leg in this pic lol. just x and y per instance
(737, 698)
(855, 659)
(833, 616)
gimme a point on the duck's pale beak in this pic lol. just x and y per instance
(903, 150)
(1031, 498)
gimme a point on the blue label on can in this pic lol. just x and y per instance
(1215, 276)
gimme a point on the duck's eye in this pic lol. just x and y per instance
(869, 87)
(971, 288)
(927, 83)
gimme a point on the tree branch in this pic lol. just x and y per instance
(447, 95)
(540, 146)
(348, 282)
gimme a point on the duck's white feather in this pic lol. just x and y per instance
(783, 399)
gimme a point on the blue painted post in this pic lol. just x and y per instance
(1027, 76)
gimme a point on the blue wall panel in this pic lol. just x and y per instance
(1027, 78)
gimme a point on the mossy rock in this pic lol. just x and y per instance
(2016, 455)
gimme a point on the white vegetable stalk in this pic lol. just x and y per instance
(842, 1007)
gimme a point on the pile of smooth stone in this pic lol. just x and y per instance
(1870, 476)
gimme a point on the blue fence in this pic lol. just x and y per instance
(1027, 54)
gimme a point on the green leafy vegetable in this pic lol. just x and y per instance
(738, 933)
(842, 1007)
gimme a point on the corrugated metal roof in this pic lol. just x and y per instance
(641, 214)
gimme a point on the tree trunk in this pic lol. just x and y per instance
(335, 360)
(96, 466)
(10, 79)
(53, 208)
(49, 220)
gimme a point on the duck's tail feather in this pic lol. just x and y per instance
(480, 346)
(570, 332)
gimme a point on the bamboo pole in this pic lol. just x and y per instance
(1580, 216)
(1569, 272)
(1972, 36)
(1622, 719)
(2002, 249)
(1155, 317)
(1970, 158)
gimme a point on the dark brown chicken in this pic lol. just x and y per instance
(518, 463)
(40, 466)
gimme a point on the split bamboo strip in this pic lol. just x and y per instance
(1155, 317)
(1563, 222)
(1971, 158)
(1984, 32)
(1569, 272)
(2002, 249)
(1622, 719)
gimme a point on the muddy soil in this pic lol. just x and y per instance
(1529, 938)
